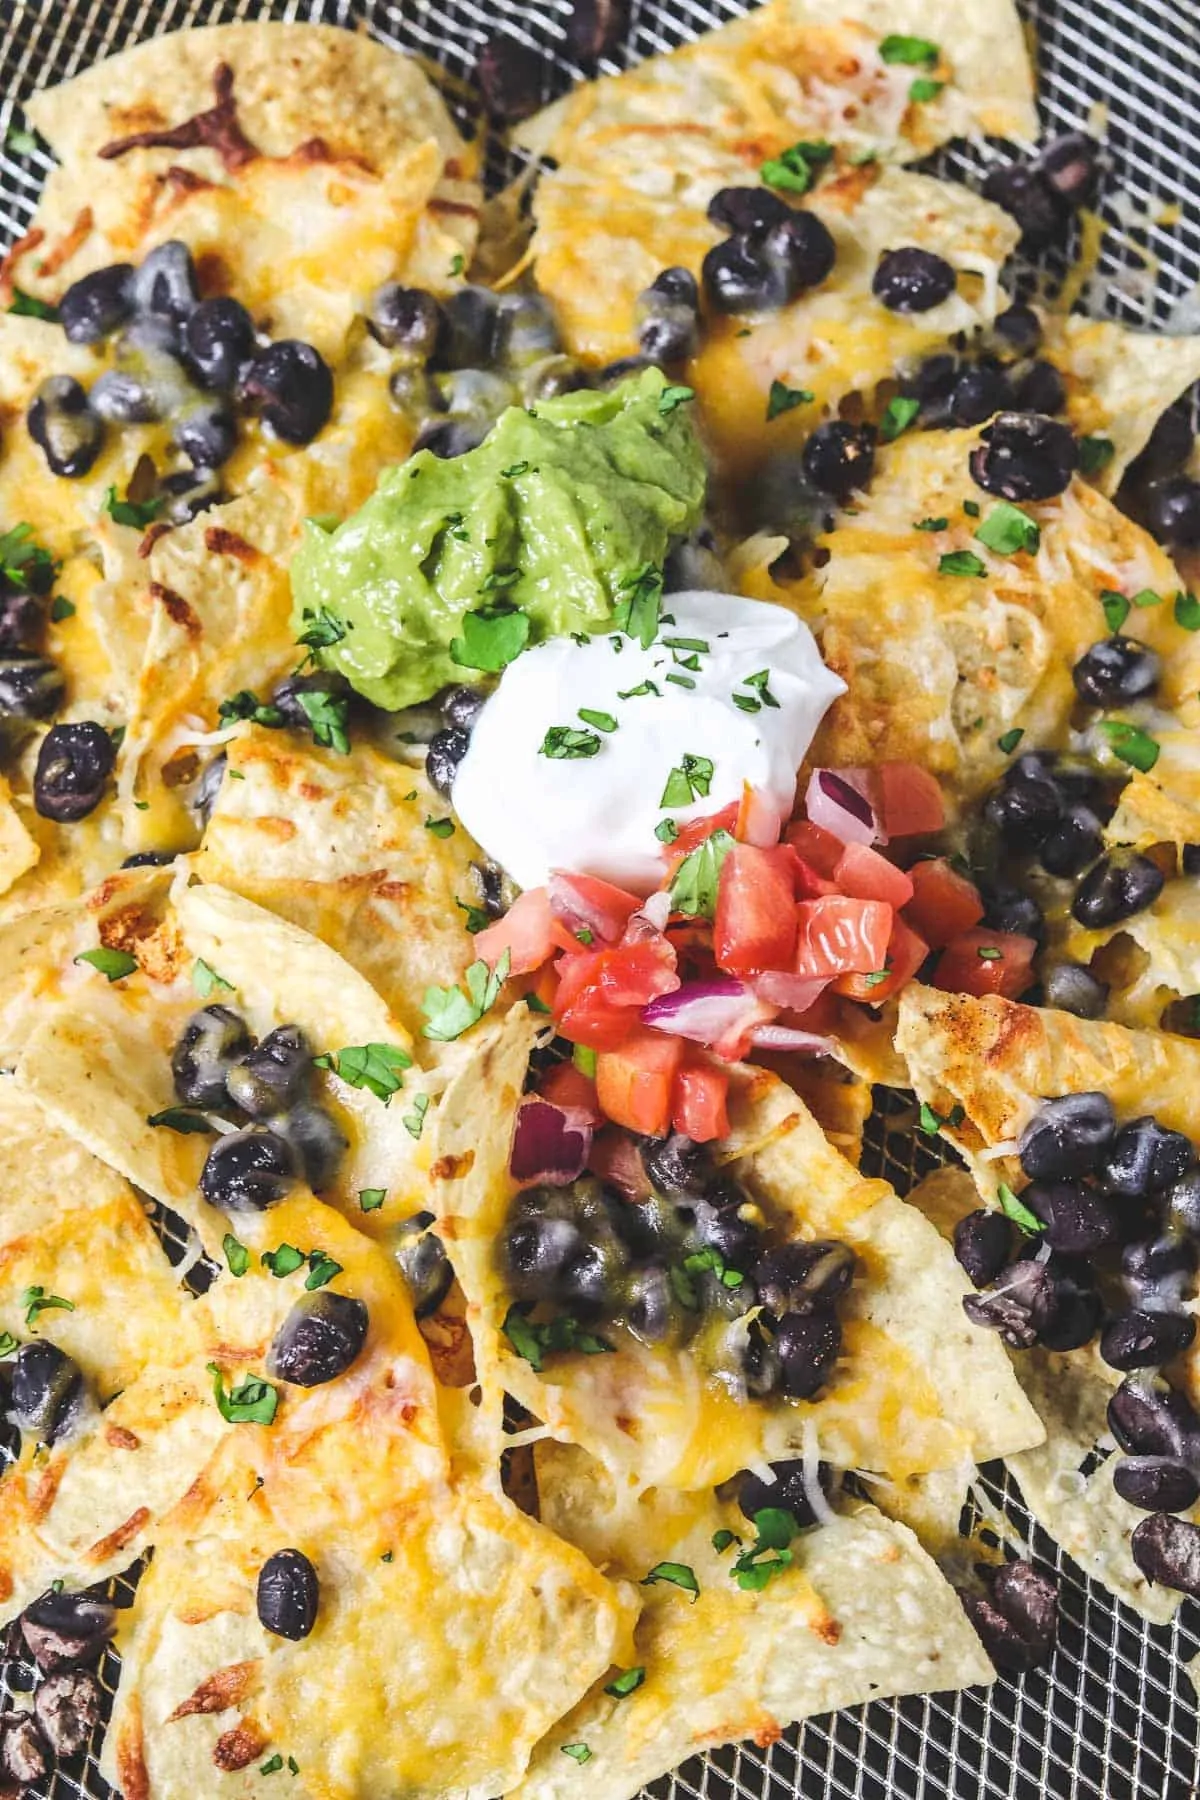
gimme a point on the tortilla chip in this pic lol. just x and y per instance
(1119, 382)
(305, 98)
(901, 1401)
(339, 845)
(940, 666)
(862, 1612)
(999, 1061)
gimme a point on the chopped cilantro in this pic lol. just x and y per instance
(896, 48)
(677, 1575)
(61, 608)
(1007, 529)
(795, 169)
(533, 1342)
(36, 1300)
(690, 781)
(440, 828)
(666, 831)
(253, 1402)
(246, 705)
(601, 720)
(1116, 608)
(931, 524)
(1130, 744)
(324, 629)
(722, 1539)
(206, 981)
(24, 142)
(493, 636)
(759, 1564)
(990, 953)
(272, 1765)
(513, 470)
(898, 416)
(476, 919)
(961, 562)
(931, 1121)
(783, 399)
(577, 1752)
(971, 508)
(566, 743)
(138, 513)
(1187, 611)
(678, 680)
(113, 964)
(924, 88)
(584, 1059)
(181, 1119)
(8, 1343)
(414, 1122)
(321, 1270)
(1013, 1209)
(759, 682)
(1147, 597)
(457, 264)
(1095, 453)
(449, 1012)
(694, 885)
(28, 306)
(236, 1255)
(23, 563)
(283, 1261)
(635, 693)
(627, 1682)
(639, 603)
(376, 1067)
(328, 716)
(371, 1199)
(876, 977)
(499, 578)
(1008, 740)
(671, 397)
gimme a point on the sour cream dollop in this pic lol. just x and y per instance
(597, 814)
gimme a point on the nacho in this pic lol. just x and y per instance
(1119, 382)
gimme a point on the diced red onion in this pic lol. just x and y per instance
(550, 1143)
(655, 911)
(835, 802)
(796, 992)
(707, 1011)
(572, 907)
(784, 1037)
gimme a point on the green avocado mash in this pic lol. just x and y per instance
(452, 566)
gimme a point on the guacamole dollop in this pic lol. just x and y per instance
(546, 518)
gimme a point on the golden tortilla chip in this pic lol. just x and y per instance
(1119, 382)
(901, 1400)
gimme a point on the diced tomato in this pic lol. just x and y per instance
(905, 954)
(693, 833)
(565, 1085)
(755, 923)
(758, 821)
(865, 875)
(601, 991)
(698, 1102)
(529, 931)
(584, 902)
(840, 936)
(815, 846)
(910, 799)
(944, 903)
(634, 1083)
(987, 962)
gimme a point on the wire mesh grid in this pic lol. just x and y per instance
(1114, 1715)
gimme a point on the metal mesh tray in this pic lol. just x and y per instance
(1114, 1715)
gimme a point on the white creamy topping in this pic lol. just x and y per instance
(597, 814)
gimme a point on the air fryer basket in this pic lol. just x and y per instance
(1114, 1714)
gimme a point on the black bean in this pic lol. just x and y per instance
(64, 1630)
(590, 1278)
(977, 394)
(73, 766)
(746, 210)
(423, 1262)
(1156, 1483)
(1145, 1159)
(206, 433)
(510, 78)
(1072, 988)
(64, 427)
(933, 380)
(165, 283)
(472, 335)
(652, 1309)
(1067, 1136)
(1070, 165)
(1028, 1600)
(1149, 1418)
(329, 684)
(248, 1171)
(445, 753)
(1144, 1340)
(1183, 1204)
(22, 619)
(1171, 511)
(1078, 1310)
(319, 1340)
(820, 1269)
(1077, 1219)
(1024, 810)
(789, 1491)
(802, 248)
(1115, 889)
(595, 27)
(203, 797)
(208, 1046)
(406, 319)
(1075, 842)
(668, 330)
(723, 1229)
(31, 687)
(1020, 328)
(1167, 448)
(273, 1074)
(1041, 389)
(983, 1244)
(67, 1708)
(97, 304)
(1167, 1551)
(1020, 1304)
(1116, 671)
(288, 1595)
(1154, 1266)
(1007, 909)
(125, 396)
(840, 458)
(46, 1392)
(536, 1249)
(1028, 198)
(807, 1344)
(552, 375)
(678, 1166)
(767, 269)
(761, 1368)
(461, 706)
(290, 386)
(527, 329)
(912, 280)
(217, 339)
(1024, 456)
